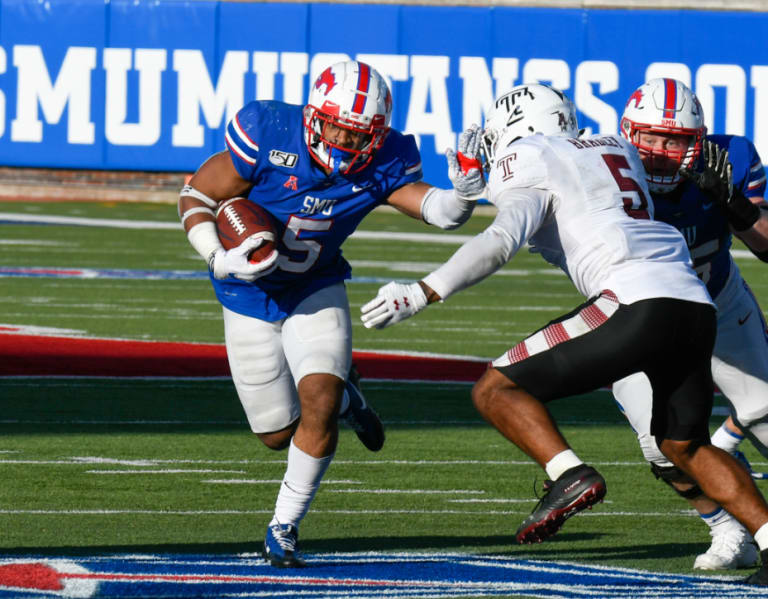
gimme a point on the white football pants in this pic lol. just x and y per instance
(268, 359)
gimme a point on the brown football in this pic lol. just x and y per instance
(237, 219)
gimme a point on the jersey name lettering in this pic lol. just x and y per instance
(595, 142)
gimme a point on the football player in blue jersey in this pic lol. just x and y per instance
(710, 187)
(318, 170)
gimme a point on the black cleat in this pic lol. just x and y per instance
(361, 417)
(760, 578)
(577, 489)
(281, 547)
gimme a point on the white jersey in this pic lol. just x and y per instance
(583, 204)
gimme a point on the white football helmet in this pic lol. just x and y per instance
(525, 110)
(347, 117)
(665, 107)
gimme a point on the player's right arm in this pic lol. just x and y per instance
(215, 181)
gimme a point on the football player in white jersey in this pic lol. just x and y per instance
(318, 170)
(664, 120)
(583, 204)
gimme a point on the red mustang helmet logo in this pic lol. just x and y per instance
(637, 97)
(328, 79)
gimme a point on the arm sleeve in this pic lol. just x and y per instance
(444, 209)
(521, 213)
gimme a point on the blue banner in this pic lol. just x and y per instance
(150, 85)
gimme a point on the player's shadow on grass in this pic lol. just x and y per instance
(580, 547)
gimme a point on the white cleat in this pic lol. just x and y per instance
(730, 550)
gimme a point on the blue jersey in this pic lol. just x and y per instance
(704, 224)
(313, 213)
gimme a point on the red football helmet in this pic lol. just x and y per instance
(664, 108)
(347, 117)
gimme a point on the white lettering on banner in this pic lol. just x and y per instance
(150, 64)
(293, 67)
(393, 67)
(477, 94)
(203, 105)
(675, 70)
(196, 93)
(606, 74)
(265, 67)
(428, 87)
(72, 89)
(551, 70)
(734, 80)
(759, 77)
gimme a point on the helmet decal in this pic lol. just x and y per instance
(363, 81)
(326, 78)
(637, 96)
(670, 98)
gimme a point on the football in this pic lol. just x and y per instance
(237, 219)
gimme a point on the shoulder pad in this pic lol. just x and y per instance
(521, 164)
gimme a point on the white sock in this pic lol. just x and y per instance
(565, 460)
(300, 483)
(761, 537)
(726, 439)
(720, 521)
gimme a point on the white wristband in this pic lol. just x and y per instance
(197, 210)
(188, 190)
(204, 238)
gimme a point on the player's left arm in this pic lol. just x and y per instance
(447, 208)
(733, 178)
(520, 213)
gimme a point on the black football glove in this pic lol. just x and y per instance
(716, 181)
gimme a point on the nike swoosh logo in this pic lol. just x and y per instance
(706, 206)
(743, 320)
(356, 188)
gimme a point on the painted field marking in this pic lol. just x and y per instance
(356, 575)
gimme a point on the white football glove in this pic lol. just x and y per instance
(464, 168)
(223, 263)
(393, 303)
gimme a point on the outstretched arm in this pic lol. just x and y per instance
(521, 212)
(447, 208)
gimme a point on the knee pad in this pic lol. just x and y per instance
(673, 474)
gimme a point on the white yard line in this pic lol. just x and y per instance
(116, 512)
(152, 462)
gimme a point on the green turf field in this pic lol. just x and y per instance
(91, 465)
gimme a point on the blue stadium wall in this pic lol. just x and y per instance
(150, 85)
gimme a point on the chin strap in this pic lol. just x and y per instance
(338, 156)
